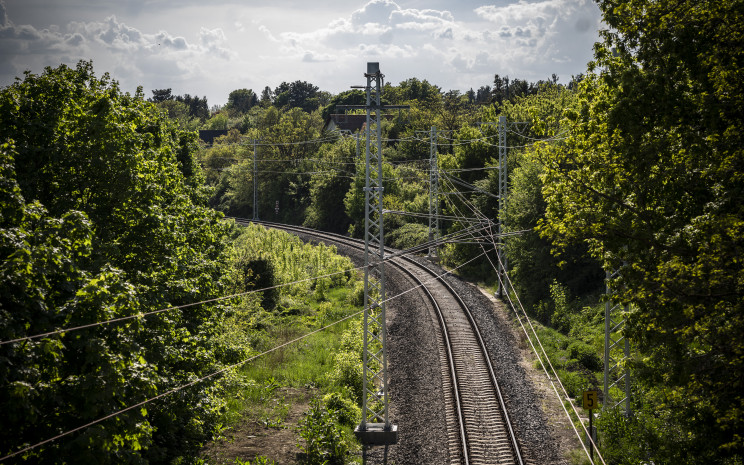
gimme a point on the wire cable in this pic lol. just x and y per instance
(555, 375)
(213, 374)
(462, 183)
(176, 389)
(167, 309)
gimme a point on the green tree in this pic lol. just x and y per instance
(298, 94)
(104, 218)
(178, 112)
(47, 386)
(241, 100)
(413, 89)
(161, 95)
(533, 267)
(267, 97)
(198, 107)
(288, 140)
(328, 187)
(651, 178)
(349, 97)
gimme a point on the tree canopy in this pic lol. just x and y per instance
(299, 94)
(652, 177)
(241, 100)
(103, 216)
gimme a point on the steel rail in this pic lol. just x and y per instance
(457, 396)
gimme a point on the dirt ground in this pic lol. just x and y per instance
(249, 438)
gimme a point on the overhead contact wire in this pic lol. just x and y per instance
(555, 375)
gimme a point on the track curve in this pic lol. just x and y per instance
(479, 428)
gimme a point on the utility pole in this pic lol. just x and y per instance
(616, 373)
(433, 193)
(501, 249)
(255, 182)
(502, 126)
(356, 137)
(375, 427)
(502, 204)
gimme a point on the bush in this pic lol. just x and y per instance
(573, 382)
(324, 442)
(585, 355)
(622, 439)
(356, 296)
(561, 317)
(409, 235)
(259, 274)
(347, 372)
(346, 411)
(102, 216)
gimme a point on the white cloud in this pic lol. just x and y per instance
(376, 11)
(134, 57)
(215, 41)
(517, 39)
(216, 48)
(312, 57)
(378, 22)
(551, 26)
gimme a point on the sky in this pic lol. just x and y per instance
(209, 48)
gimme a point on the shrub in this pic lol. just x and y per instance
(409, 235)
(346, 411)
(573, 382)
(259, 274)
(347, 372)
(356, 296)
(561, 317)
(585, 355)
(324, 442)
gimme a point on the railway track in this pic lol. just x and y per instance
(479, 429)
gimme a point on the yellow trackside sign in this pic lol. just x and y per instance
(591, 400)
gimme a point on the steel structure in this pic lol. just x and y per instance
(375, 427)
(503, 266)
(255, 182)
(433, 193)
(502, 127)
(616, 373)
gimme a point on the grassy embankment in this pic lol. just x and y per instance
(306, 393)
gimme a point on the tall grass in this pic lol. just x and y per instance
(326, 363)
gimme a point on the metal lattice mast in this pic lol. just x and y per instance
(616, 374)
(433, 193)
(356, 137)
(375, 427)
(503, 267)
(255, 183)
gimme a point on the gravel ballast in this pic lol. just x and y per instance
(416, 391)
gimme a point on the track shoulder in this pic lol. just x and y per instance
(415, 373)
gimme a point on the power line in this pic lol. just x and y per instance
(475, 210)
(546, 139)
(462, 183)
(555, 374)
(174, 390)
(167, 309)
(456, 142)
(218, 372)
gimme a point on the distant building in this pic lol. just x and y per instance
(344, 122)
(209, 135)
